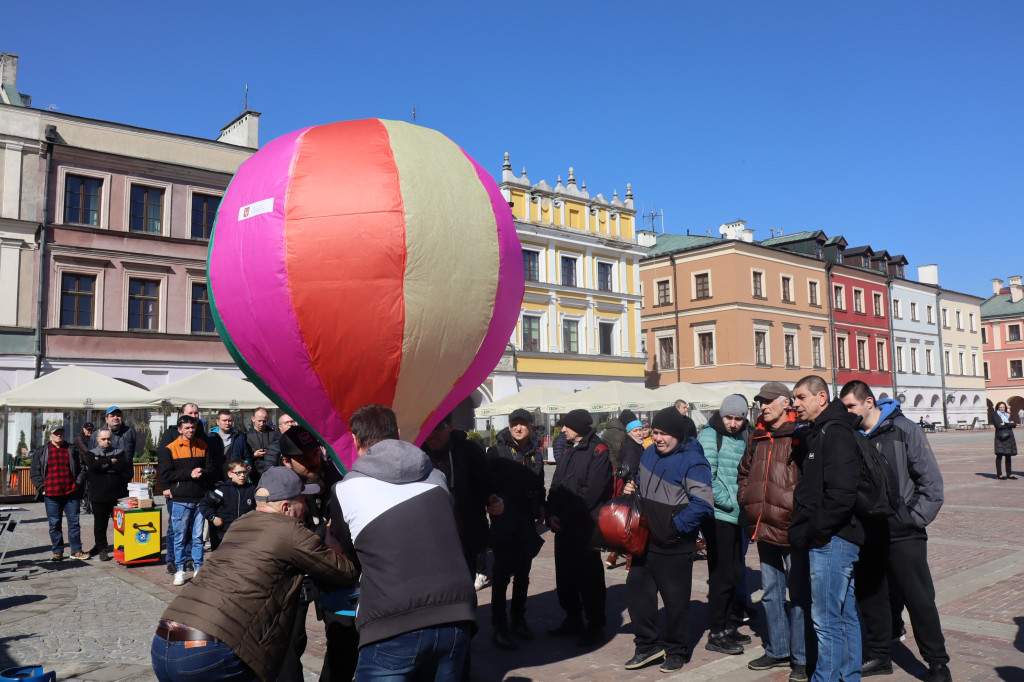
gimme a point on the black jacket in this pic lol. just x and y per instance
(229, 502)
(629, 459)
(259, 441)
(1009, 445)
(123, 438)
(582, 482)
(109, 473)
(176, 461)
(519, 477)
(37, 470)
(471, 484)
(829, 466)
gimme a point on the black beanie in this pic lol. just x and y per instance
(627, 416)
(674, 424)
(521, 414)
(579, 421)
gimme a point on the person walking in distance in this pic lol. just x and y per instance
(1006, 442)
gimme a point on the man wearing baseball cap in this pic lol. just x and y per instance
(123, 437)
(59, 476)
(245, 631)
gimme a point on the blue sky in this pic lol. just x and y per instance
(896, 124)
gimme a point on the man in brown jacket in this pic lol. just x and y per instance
(233, 622)
(767, 479)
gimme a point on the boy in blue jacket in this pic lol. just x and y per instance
(228, 501)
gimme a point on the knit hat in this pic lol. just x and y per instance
(627, 416)
(521, 414)
(674, 424)
(579, 421)
(734, 405)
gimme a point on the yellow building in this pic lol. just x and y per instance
(580, 319)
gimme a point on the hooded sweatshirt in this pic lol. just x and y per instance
(393, 517)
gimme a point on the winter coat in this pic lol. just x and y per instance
(228, 501)
(247, 593)
(912, 465)
(766, 480)
(176, 462)
(108, 472)
(829, 465)
(724, 465)
(37, 470)
(239, 449)
(123, 438)
(630, 453)
(1008, 446)
(558, 446)
(677, 497)
(471, 484)
(614, 433)
(582, 482)
(519, 479)
(259, 441)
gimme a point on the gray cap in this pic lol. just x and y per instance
(283, 484)
(771, 391)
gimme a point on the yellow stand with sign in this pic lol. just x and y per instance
(136, 535)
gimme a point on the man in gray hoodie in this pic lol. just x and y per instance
(393, 517)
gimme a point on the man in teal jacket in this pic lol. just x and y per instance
(724, 442)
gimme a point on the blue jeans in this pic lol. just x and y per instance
(782, 566)
(173, 662)
(834, 610)
(57, 507)
(188, 528)
(433, 653)
(169, 540)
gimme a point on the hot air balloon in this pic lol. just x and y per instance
(364, 262)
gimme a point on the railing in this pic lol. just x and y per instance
(23, 486)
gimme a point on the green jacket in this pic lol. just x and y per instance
(725, 463)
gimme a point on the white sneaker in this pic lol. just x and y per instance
(179, 578)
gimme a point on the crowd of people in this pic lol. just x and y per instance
(287, 530)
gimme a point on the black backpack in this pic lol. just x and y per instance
(877, 495)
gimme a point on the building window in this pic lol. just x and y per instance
(1017, 369)
(974, 364)
(858, 301)
(816, 351)
(812, 293)
(862, 354)
(913, 360)
(702, 285)
(841, 352)
(76, 300)
(913, 311)
(930, 314)
(604, 276)
(896, 312)
(761, 348)
(899, 358)
(878, 305)
(789, 341)
(531, 266)
(819, 250)
(880, 355)
(570, 336)
(664, 296)
(840, 300)
(1013, 332)
(82, 200)
(928, 361)
(865, 261)
(204, 212)
(666, 353)
(959, 320)
(531, 333)
(987, 377)
(984, 335)
(947, 368)
(787, 289)
(143, 304)
(963, 369)
(146, 209)
(568, 271)
(758, 284)
(202, 318)
(606, 338)
(945, 318)
(706, 342)
(974, 325)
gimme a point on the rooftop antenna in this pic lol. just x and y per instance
(653, 217)
(245, 102)
(414, 114)
(772, 230)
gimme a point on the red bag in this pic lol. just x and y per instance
(622, 526)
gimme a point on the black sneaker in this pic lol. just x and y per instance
(642, 658)
(738, 637)
(188, 566)
(767, 662)
(520, 629)
(721, 643)
(876, 666)
(104, 556)
(798, 673)
(673, 663)
(502, 640)
(171, 568)
(569, 627)
(939, 673)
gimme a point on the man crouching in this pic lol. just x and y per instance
(233, 622)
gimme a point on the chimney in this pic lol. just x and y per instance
(1016, 290)
(244, 131)
(928, 274)
(748, 235)
(997, 286)
(9, 69)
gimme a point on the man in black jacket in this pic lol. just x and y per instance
(519, 473)
(581, 484)
(170, 435)
(259, 438)
(824, 525)
(108, 472)
(123, 437)
(897, 550)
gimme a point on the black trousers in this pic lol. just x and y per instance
(579, 580)
(102, 512)
(725, 570)
(904, 565)
(999, 464)
(510, 563)
(342, 651)
(291, 664)
(669, 575)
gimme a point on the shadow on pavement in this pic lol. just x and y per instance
(20, 600)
